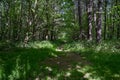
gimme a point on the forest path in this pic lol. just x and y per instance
(65, 66)
(66, 61)
(68, 66)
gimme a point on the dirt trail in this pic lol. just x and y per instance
(66, 61)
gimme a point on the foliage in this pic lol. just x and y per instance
(59, 39)
(99, 62)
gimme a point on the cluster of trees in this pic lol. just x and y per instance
(24, 20)
(103, 18)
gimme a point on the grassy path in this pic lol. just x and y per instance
(49, 63)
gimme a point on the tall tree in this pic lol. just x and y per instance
(99, 21)
(105, 18)
(79, 17)
(90, 18)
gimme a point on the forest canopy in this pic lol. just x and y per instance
(29, 20)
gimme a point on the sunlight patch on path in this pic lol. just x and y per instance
(66, 67)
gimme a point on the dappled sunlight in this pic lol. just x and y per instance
(37, 44)
(59, 39)
(24, 63)
(59, 49)
(67, 66)
(105, 64)
(65, 62)
(48, 68)
(74, 47)
(54, 55)
(107, 47)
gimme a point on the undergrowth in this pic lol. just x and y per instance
(27, 62)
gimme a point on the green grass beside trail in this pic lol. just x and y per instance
(75, 61)
(23, 63)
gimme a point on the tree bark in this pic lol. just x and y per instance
(79, 18)
(105, 18)
(90, 18)
(99, 21)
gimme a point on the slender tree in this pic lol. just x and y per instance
(99, 21)
(79, 17)
(90, 18)
(105, 18)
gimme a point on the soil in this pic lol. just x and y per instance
(66, 61)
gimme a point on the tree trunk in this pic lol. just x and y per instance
(99, 21)
(79, 17)
(105, 18)
(90, 18)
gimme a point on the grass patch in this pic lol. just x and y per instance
(23, 63)
(74, 61)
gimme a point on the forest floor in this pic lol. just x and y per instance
(60, 61)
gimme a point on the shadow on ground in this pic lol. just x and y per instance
(23, 63)
(40, 64)
(49, 64)
(106, 65)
